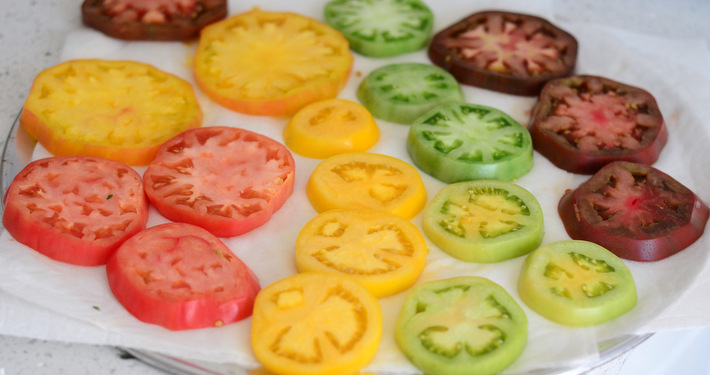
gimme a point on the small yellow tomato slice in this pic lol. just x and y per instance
(367, 180)
(315, 323)
(380, 250)
(330, 127)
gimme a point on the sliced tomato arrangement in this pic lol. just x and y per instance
(271, 63)
(76, 210)
(316, 323)
(382, 28)
(226, 180)
(460, 326)
(635, 211)
(181, 277)
(581, 123)
(152, 19)
(506, 52)
(576, 283)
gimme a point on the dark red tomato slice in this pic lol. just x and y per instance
(506, 52)
(226, 180)
(152, 19)
(75, 209)
(581, 123)
(180, 276)
(635, 211)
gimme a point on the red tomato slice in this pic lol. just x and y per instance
(226, 180)
(181, 277)
(75, 209)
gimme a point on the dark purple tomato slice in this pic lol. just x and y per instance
(581, 123)
(635, 211)
(506, 52)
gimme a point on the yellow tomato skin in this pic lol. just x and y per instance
(332, 126)
(315, 323)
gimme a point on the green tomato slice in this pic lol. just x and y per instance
(484, 221)
(382, 28)
(458, 142)
(402, 92)
(463, 325)
(576, 283)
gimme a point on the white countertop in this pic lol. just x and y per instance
(32, 33)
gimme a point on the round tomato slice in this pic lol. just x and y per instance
(635, 211)
(266, 63)
(152, 19)
(367, 180)
(461, 326)
(181, 277)
(77, 210)
(226, 180)
(330, 127)
(121, 110)
(383, 251)
(506, 52)
(582, 123)
(576, 283)
(484, 221)
(316, 323)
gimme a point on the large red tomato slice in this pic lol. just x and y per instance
(226, 180)
(75, 209)
(181, 277)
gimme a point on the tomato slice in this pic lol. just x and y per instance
(503, 51)
(152, 19)
(316, 323)
(273, 64)
(582, 123)
(484, 221)
(383, 251)
(367, 180)
(330, 127)
(459, 326)
(635, 211)
(181, 277)
(402, 92)
(459, 142)
(382, 28)
(75, 209)
(226, 180)
(576, 283)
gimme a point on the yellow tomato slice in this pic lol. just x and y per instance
(382, 251)
(330, 127)
(269, 63)
(315, 323)
(120, 110)
(367, 180)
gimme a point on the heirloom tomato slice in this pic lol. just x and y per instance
(383, 251)
(507, 52)
(582, 123)
(459, 142)
(226, 180)
(635, 211)
(152, 19)
(75, 209)
(329, 127)
(181, 277)
(576, 283)
(382, 28)
(484, 221)
(121, 110)
(316, 323)
(267, 63)
(461, 326)
(367, 180)
(402, 92)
